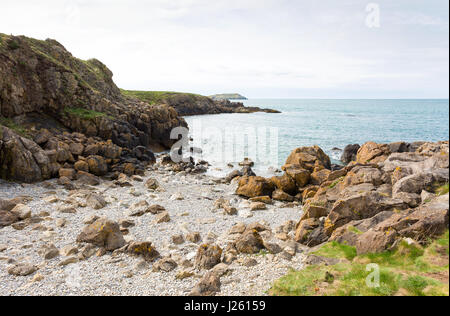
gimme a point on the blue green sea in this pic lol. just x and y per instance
(332, 124)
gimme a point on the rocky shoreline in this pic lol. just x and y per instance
(196, 235)
(87, 208)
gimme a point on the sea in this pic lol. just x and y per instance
(268, 139)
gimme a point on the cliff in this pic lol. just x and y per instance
(44, 90)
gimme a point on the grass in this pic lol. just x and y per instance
(84, 113)
(409, 270)
(335, 183)
(154, 97)
(442, 190)
(9, 123)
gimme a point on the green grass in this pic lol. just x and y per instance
(154, 97)
(336, 250)
(409, 270)
(84, 113)
(442, 190)
(335, 183)
(9, 123)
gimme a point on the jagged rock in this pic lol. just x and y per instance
(280, 195)
(103, 233)
(152, 184)
(254, 186)
(314, 211)
(208, 256)
(308, 158)
(249, 243)
(285, 183)
(430, 220)
(350, 152)
(359, 207)
(143, 249)
(371, 152)
(21, 211)
(300, 175)
(208, 286)
(95, 201)
(163, 217)
(165, 265)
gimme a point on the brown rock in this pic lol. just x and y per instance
(373, 153)
(250, 243)
(254, 186)
(143, 249)
(103, 233)
(208, 256)
(285, 183)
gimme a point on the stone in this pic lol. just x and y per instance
(208, 286)
(165, 265)
(97, 165)
(21, 211)
(300, 175)
(163, 217)
(69, 250)
(178, 239)
(254, 186)
(22, 269)
(280, 195)
(208, 256)
(71, 174)
(152, 184)
(371, 152)
(194, 237)
(69, 260)
(308, 158)
(143, 249)
(350, 152)
(49, 252)
(258, 206)
(285, 183)
(249, 262)
(95, 201)
(249, 243)
(103, 233)
(156, 209)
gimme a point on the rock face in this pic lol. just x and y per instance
(350, 152)
(49, 93)
(379, 199)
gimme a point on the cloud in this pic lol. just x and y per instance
(263, 48)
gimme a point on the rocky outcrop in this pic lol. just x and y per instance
(379, 198)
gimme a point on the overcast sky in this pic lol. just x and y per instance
(260, 48)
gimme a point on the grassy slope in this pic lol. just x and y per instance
(154, 97)
(409, 270)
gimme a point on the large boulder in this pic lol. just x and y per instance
(300, 175)
(22, 159)
(285, 183)
(254, 186)
(428, 221)
(372, 152)
(103, 233)
(360, 206)
(349, 153)
(309, 158)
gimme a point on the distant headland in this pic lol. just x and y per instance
(228, 96)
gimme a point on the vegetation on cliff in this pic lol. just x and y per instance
(408, 270)
(228, 96)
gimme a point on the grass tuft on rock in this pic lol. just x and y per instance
(84, 113)
(18, 129)
(409, 270)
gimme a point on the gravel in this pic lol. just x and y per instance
(121, 274)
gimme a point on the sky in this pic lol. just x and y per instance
(259, 48)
